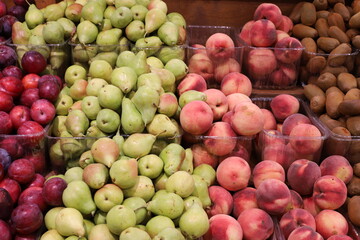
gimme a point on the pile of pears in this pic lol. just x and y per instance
(129, 188)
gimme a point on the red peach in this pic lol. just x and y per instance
(296, 200)
(285, 76)
(329, 192)
(233, 173)
(263, 33)
(310, 206)
(302, 175)
(217, 101)
(242, 148)
(198, 48)
(296, 218)
(223, 68)
(235, 98)
(256, 224)
(201, 64)
(201, 155)
(270, 121)
(219, 47)
(236, 82)
(288, 50)
(247, 119)
(306, 139)
(283, 105)
(267, 169)
(338, 166)
(286, 24)
(330, 222)
(270, 137)
(269, 11)
(223, 227)
(221, 199)
(339, 237)
(220, 139)
(244, 35)
(196, 117)
(227, 117)
(192, 81)
(244, 199)
(304, 233)
(281, 34)
(291, 121)
(279, 153)
(261, 62)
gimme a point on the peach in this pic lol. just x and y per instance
(329, 192)
(271, 137)
(273, 196)
(284, 76)
(220, 139)
(305, 139)
(304, 233)
(217, 101)
(235, 98)
(330, 222)
(223, 68)
(192, 81)
(283, 105)
(256, 224)
(236, 82)
(219, 47)
(201, 155)
(223, 227)
(244, 199)
(198, 48)
(196, 117)
(247, 119)
(201, 64)
(339, 237)
(270, 121)
(281, 34)
(286, 24)
(245, 32)
(233, 173)
(261, 62)
(221, 199)
(296, 218)
(242, 149)
(227, 117)
(302, 175)
(269, 11)
(296, 200)
(267, 169)
(288, 50)
(338, 166)
(310, 206)
(279, 153)
(263, 33)
(293, 120)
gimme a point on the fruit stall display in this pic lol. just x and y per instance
(127, 119)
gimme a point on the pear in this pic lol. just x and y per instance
(138, 144)
(109, 57)
(50, 217)
(134, 233)
(154, 19)
(58, 126)
(151, 80)
(70, 147)
(160, 182)
(177, 18)
(102, 3)
(100, 69)
(88, 225)
(127, 216)
(146, 100)
(68, 26)
(167, 79)
(108, 120)
(150, 166)
(109, 10)
(191, 200)
(77, 195)
(173, 156)
(143, 188)
(38, 44)
(187, 165)
(135, 30)
(51, 235)
(131, 120)
(162, 126)
(201, 190)
(58, 58)
(169, 205)
(124, 58)
(73, 12)
(121, 17)
(181, 183)
(149, 44)
(85, 159)
(56, 156)
(139, 206)
(105, 25)
(95, 175)
(139, 12)
(76, 123)
(124, 173)
(145, 3)
(166, 53)
(83, 53)
(90, 106)
(169, 234)
(20, 34)
(155, 63)
(73, 73)
(101, 231)
(92, 134)
(37, 30)
(105, 151)
(69, 221)
(158, 223)
(124, 44)
(139, 64)
(158, 146)
(93, 12)
(86, 32)
(100, 217)
(108, 39)
(124, 3)
(53, 32)
(64, 91)
(177, 67)
(53, 12)
(73, 174)
(94, 85)
(75, 238)
(158, 4)
(191, 95)
(207, 172)
(124, 78)
(110, 97)
(194, 223)
(169, 33)
(33, 16)
(76, 106)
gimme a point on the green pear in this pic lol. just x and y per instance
(108, 196)
(134, 233)
(143, 188)
(58, 126)
(191, 200)
(90, 106)
(168, 104)
(83, 53)
(88, 225)
(53, 32)
(110, 97)
(94, 85)
(56, 155)
(131, 119)
(167, 79)
(139, 64)
(162, 126)
(100, 69)
(105, 25)
(180, 183)
(20, 35)
(124, 173)
(194, 223)
(173, 155)
(146, 100)
(159, 193)
(51, 235)
(177, 67)
(82, 2)
(169, 33)
(127, 216)
(151, 80)
(187, 165)
(78, 89)
(58, 57)
(154, 19)
(119, 139)
(86, 32)
(68, 26)
(95, 175)
(124, 78)
(169, 205)
(73, 162)
(73, 73)
(64, 91)
(33, 16)
(73, 12)
(77, 195)
(158, 146)
(92, 12)
(201, 191)
(158, 4)
(53, 12)
(169, 234)
(124, 3)
(100, 217)
(124, 58)
(145, 3)
(207, 172)
(38, 44)
(160, 182)
(92, 134)
(109, 10)
(135, 30)
(73, 174)
(50, 216)
(85, 159)
(138, 144)
(158, 223)
(105, 151)
(69, 221)
(71, 148)
(154, 63)
(150, 166)
(109, 57)
(139, 12)
(139, 206)
(102, 3)
(176, 18)
(191, 95)
(108, 39)
(76, 123)
(149, 44)
(108, 120)
(75, 238)
(121, 17)
(166, 53)
(101, 231)
(37, 30)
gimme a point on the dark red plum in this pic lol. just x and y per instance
(53, 190)
(26, 218)
(12, 186)
(6, 204)
(22, 171)
(33, 195)
(29, 96)
(33, 62)
(13, 147)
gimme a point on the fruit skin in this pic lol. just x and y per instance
(26, 218)
(6, 204)
(33, 62)
(223, 227)
(256, 223)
